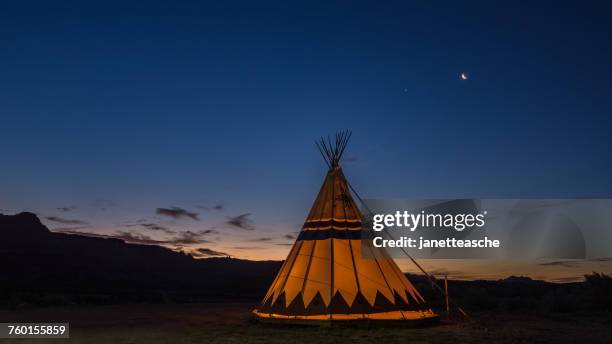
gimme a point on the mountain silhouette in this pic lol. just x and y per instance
(43, 268)
(39, 266)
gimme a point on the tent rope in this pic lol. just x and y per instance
(431, 279)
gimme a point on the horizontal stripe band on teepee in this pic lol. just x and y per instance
(332, 223)
(329, 233)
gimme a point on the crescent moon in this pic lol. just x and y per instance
(464, 76)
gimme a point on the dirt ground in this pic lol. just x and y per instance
(231, 323)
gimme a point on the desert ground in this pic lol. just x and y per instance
(232, 323)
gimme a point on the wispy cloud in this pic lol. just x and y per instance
(289, 236)
(207, 252)
(241, 222)
(208, 231)
(177, 213)
(65, 221)
(136, 238)
(66, 209)
(153, 227)
(188, 238)
(563, 263)
(265, 239)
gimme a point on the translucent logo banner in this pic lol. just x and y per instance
(488, 228)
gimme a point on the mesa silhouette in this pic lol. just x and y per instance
(40, 267)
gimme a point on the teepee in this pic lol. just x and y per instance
(326, 276)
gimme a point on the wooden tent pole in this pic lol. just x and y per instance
(446, 294)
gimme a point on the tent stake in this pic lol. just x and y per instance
(446, 294)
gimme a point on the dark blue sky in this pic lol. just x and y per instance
(143, 105)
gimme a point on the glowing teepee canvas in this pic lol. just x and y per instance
(325, 276)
